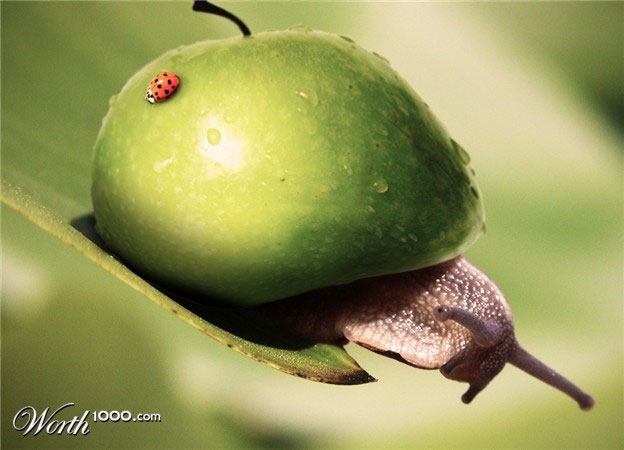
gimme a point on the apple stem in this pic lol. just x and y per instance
(207, 7)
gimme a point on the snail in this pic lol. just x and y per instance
(297, 174)
(449, 316)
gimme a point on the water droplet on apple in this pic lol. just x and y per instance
(112, 101)
(308, 95)
(381, 57)
(463, 154)
(380, 186)
(300, 28)
(160, 166)
(345, 163)
(177, 51)
(214, 136)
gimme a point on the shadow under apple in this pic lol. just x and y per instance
(249, 323)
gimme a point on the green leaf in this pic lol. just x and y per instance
(238, 328)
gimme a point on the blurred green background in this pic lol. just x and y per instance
(534, 91)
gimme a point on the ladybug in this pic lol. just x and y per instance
(162, 87)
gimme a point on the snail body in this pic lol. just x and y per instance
(448, 316)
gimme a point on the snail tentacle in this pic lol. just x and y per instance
(485, 333)
(528, 363)
(472, 392)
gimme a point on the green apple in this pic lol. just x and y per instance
(285, 161)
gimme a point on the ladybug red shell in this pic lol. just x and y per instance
(162, 87)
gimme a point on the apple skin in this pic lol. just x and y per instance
(285, 162)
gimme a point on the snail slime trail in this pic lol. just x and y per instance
(216, 188)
